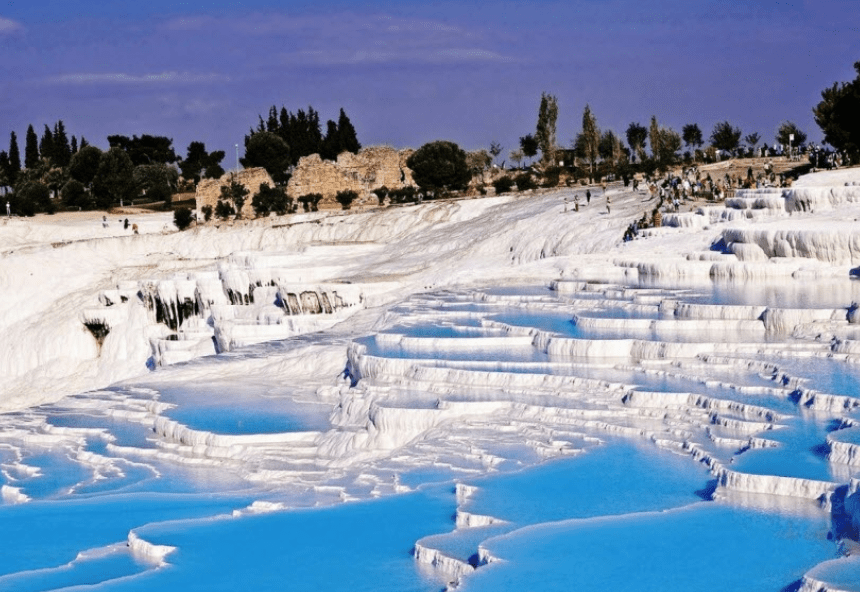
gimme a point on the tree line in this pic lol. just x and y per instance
(84, 176)
(279, 141)
(58, 171)
(604, 151)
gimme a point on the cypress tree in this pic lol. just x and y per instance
(347, 135)
(31, 148)
(62, 150)
(284, 127)
(272, 123)
(74, 146)
(14, 158)
(330, 147)
(46, 145)
(4, 170)
(314, 131)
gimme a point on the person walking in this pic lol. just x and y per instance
(588, 196)
(8, 210)
(608, 205)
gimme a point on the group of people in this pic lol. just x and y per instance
(587, 200)
(125, 224)
(820, 158)
(655, 221)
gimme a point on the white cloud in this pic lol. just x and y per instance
(122, 78)
(458, 55)
(9, 26)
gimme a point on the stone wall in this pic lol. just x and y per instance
(370, 169)
(209, 190)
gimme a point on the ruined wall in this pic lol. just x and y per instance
(209, 190)
(370, 169)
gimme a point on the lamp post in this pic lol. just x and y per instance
(237, 158)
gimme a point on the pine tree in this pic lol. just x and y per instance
(74, 145)
(838, 115)
(46, 145)
(692, 135)
(636, 136)
(84, 143)
(31, 149)
(14, 158)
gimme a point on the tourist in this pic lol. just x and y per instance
(607, 204)
(125, 226)
(104, 222)
(8, 210)
(588, 196)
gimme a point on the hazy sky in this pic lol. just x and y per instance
(409, 72)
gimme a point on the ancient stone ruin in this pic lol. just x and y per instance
(209, 190)
(370, 169)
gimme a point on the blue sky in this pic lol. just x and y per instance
(411, 72)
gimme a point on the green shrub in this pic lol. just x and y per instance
(503, 184)
(207, 213)
(271, 199)
(381, 193)
(76, 196)
(224, 209)
(182, 217)
(525, 182)
(406, 194)
(310, 201)
(345, 198)
(551, 176)
(33, 197)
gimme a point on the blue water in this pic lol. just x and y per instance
(349, 547)
(621, 516)
(502, 352)
(242, 409)
(554, 322)
(266, 419)
(800, 451)
(49, 534)
(615, 478)
(704, 547)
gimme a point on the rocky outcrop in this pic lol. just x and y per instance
(209, 190)
(370, 169)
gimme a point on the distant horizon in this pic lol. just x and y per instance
(408, 73)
